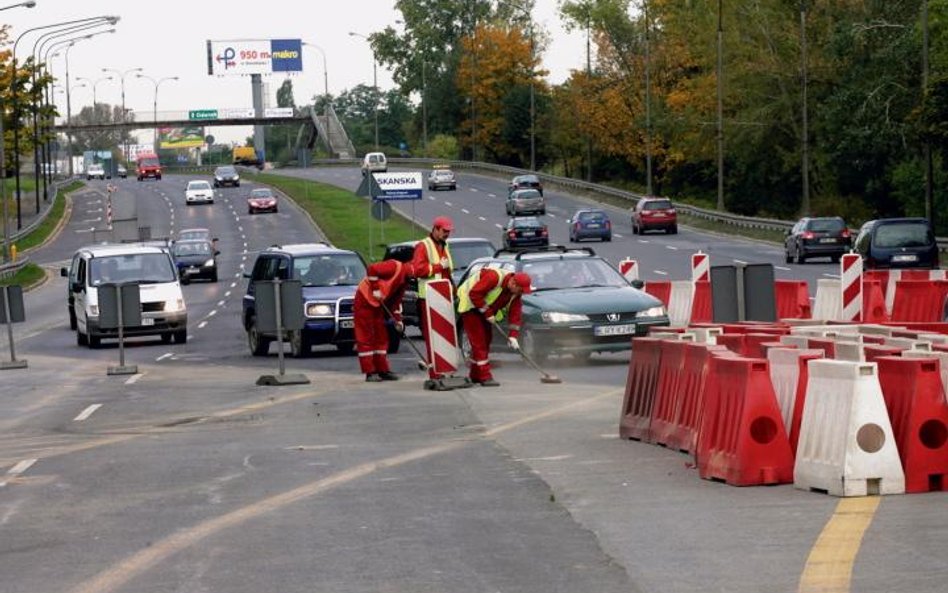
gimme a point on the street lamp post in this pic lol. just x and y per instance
(122, 76)
(156, 84)
(533, 111)
(375, 85)
(325, 73)
(94, 84)
(720, 126)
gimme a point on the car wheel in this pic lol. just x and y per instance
(532, 348)
(237, 184)
(249, 210)
(81, 339)
(73, 324)
(300, 345)
(787, 258)
(94, 341)
(673, 230)
(608, 238)
(214, 276)
(166, 338)
(181, 336)
(259, 345)
(800, 257)
(834, 259)
(635, 229)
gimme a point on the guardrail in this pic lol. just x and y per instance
(9, 269)
(54, 190)
(750, 222)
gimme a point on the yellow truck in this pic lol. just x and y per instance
(246, 155)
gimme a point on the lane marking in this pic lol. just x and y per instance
(212, 313)
(233, 284)
(227, 294)
(21, 467)
(672, 247)
(482, 218)
(737, 261)
(220, 303)
(782, 268)
(164, 356)
(498, 226)
(465, 210)
(202, 325)
(829, 567)
(448, 204)
(661, 273)
(134, 378)
(492, 195)
(618, 236)
(834, 276)
(87, 412)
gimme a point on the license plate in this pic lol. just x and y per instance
(658, 215)
(528, 233)
(148, 321)
(192, 270)
(347, 323)
(904, 258)
(592, 226)
(615, 330)
(827, 240)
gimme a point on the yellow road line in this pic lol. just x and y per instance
(829, 567)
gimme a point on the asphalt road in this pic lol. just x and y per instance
(189, 477)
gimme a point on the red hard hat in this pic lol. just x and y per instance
(443, 222)
(523, 280)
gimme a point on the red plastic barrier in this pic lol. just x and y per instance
(937, 327)
(701, 303)
(871, 339)
(799, 399)
(640, 385)
(793, 299)
(693, 384)
(873, 302)
(660, 289)
(915, 275)
(754, 344)
(915, 400)
(873, 352)
(939, 347)
(742, 440)
(668, 394)
(827, 345)
(919, 300)
(733, 342)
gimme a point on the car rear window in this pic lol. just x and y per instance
(904, 234)
(592, 216)
(261, 193)
(826, 225)
(657, 205)
(526, 194)
(524, 222)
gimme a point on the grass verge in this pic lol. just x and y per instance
(30, 275)
(345, 218)
(41, 233)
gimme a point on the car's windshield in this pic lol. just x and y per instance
(572, 273)
(526, 222)
(826, 225)
(462, 254)
(261, 193)
(527, 179)
(226, 171)
(657, 205)
(338, 269)
(526, 194)
(149, 162)
(189, 248)
(194, 234)
(904, 234)
(592, 216)
(199, 185)
(144, 267)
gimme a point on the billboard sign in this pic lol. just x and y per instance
(254, 56)
(278, 112)
(188, 137)
(399, 186)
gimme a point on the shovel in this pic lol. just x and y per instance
(545, 377)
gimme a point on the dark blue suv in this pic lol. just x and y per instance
(329, 277)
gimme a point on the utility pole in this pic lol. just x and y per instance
(648, 109)
(589, 162)
(720, 130)
(927, 148)
(805, 171)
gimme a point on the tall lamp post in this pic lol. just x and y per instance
(94, 84)
(156, 84)
(533, 109)
(720, 126)
(122, 74)
(325, 73)
(375, 84)
(805, 165)
(3, 161)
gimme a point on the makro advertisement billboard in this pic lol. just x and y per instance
(188, 137)
(254, 56)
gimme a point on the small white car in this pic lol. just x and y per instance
(95, 171)
(374, 162)
(199, 192)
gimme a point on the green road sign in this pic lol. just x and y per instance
(202, 114)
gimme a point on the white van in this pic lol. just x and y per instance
(374, 162)
(163, 309)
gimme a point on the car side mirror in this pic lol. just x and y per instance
(638, 284)
(64, 272)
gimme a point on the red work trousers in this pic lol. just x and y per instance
(371, 337)
(479, 335)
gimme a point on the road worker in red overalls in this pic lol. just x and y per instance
(485, 298)
(384, 284)
(432, 261)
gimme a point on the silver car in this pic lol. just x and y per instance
(439, 178)
(525, 201)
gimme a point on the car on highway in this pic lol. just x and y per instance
(525, 231)
(226, 175)
(199, 192)
(196, 258)
(95, 171)
(525, 182)
(262, 199)
(442, 178)
(589, 223)
(579, 303)
(198, 234)
(374, 162)
(525, 201)
(464, 250)
(121, 171)
(329, 277)
(897, 243)
(93, 268)
(651, 214)
(147, 165)
(817, 237)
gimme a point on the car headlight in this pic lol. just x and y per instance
(174, 305)
(653, 312)
(219, 179)
(557, 317)
(236, 177)
(209, 263)
(319, 310)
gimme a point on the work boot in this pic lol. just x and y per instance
(373, 378)
(388, 376)
(488, 383)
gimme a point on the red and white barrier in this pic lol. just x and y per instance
(851, 274)
(443, 351)
(700, 267)
(629, 268)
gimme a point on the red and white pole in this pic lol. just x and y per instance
(700, 267)
(851, 274)
(441, 331)
(629, 268)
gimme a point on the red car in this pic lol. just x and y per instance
(654, 214)
(261, 200)
(148, 165)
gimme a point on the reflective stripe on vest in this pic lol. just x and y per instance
(384, 285)
(465, 303)
(433, 258)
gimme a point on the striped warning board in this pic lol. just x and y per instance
(442, 334)
(700, 267)
(851, 274)
(629, 268)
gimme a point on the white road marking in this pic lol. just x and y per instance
(226, 294)
(245, 245)
(834, 276)
(448, 204)
(220, 303)
(473, 189)
(498, 226)
(551, 215)
(202, 325)
(551, 458)
(134, 378)
(240, 229)
(88, 411)
(465, 210)
(618, 236)
(737, 261)
(164, 356)
(672, 247)
(212, 313)
(233, 284)
(781, 268)
(84, 230)
(88, 220)
(91, 211)
(21, 467)
(431, 198)
(492, 195)
(643, 240)
(661, 273)
(482, 218)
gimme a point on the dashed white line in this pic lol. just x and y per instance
(220, 303)
(618, 236)
(643, 241)
(21, 467)
(233, 284)
(782, 268)
(492, 195)
(661, 273)
(834, 276)
(448, 204)
(202, 325)
(164, 356)
(87, 412)
(240, 228)
(743, 263)
(498, 226)
(134, 378)
(672, 247)
(226, 294)
(212, 313)
(465, 210)
(551, 215)
(482, 218)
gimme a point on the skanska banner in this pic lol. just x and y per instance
(399, 186)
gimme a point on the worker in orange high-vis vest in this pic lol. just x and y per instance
(431, 261)
(385, 284)
(487, 297)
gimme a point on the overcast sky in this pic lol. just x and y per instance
(168, 38)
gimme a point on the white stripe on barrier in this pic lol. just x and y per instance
(851, 276)
(829, 300)
(892, 282)
(443, 343)
(679, 302)
(784, 374)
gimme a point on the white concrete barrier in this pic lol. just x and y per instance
(853, 351)
(829, 300)
(679, 302)
(785, 376)
(800, 341)
(706, 335)
(846, 445)
(908, 344)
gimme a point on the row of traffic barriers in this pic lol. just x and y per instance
(845, 409)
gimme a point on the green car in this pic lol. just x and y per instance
(579, 304)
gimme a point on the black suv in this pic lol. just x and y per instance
(817, 237)
(897, 243)
(226, 175)
(329, 276)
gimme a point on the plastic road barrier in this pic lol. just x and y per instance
(789, 375)
(660, 289)
(919, 300)
(793, 299)
(629, 268)
(668, 394)
(851, 274)
(640, 386)
(742, 439)
(829, 300)
(914, 398)
(846, 446)
(442, 334)
(679, 302)
(700, 267)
